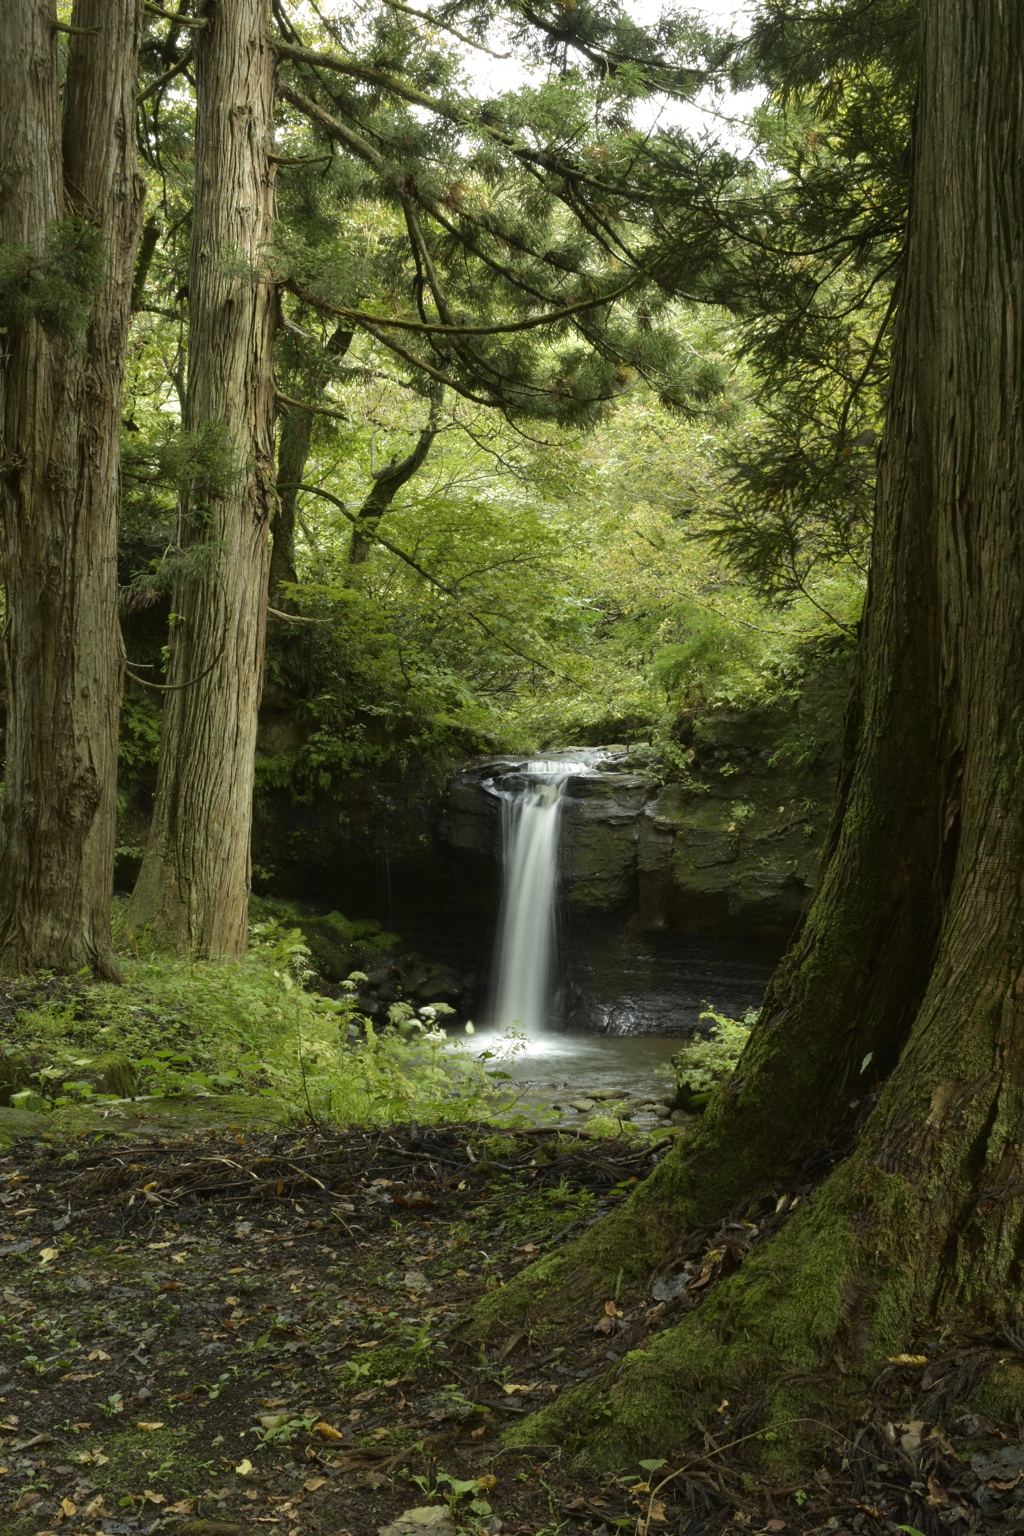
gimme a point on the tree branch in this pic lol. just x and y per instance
(158, 85)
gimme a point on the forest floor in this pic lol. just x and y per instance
(242, 1331)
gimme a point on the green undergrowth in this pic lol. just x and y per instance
(707, 1060)
(179, 1029)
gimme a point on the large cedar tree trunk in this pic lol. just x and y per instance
(910, 965)
(60, 397)
(194, 884)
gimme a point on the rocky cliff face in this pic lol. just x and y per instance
(675, 897)
(732, 849)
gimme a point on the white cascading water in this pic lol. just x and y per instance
(525, 956)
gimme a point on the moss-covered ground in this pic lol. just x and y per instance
(243, 1330)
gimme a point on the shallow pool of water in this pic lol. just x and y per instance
(555, 1068)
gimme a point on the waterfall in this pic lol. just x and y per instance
(525, 957)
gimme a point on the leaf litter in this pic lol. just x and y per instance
(240, 1333)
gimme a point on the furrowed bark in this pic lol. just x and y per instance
(913, 949)
(194, 883)
(60, 396)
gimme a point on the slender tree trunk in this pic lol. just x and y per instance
(292, 453)
(194, 884)
(911, 963)
(389, 481)
(60, 396)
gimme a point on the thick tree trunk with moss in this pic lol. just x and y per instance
(60, 398)
(910, 965)
(193, 889)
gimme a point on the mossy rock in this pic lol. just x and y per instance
(111, 1073)
(18, 1124)
(338, 945)
(1002, 1394)
(15, 1073)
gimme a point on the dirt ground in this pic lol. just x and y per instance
(239, 1332)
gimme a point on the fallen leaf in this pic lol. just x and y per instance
(47, 1255)
(908, 1360)
(244, 1467)
(91, 1458)
(606, 1325)
(488, 1481)
(182, 1508)
(67, 1508)
(910, 1441)
(657, 1512)
(95, 1507)
(275, 1420)
(156, 1424)
(328, 1431)
(512, 1386)
(313, 1483)
(776, 1525)
(936, 1493)
(98, 1354)
(154, 1498)
(611, 1310)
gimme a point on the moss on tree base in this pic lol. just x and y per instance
(782, 1352)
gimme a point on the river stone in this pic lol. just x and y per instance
(606, 1093)
(582, 1105)
(18, 1123)
(671, 1286)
